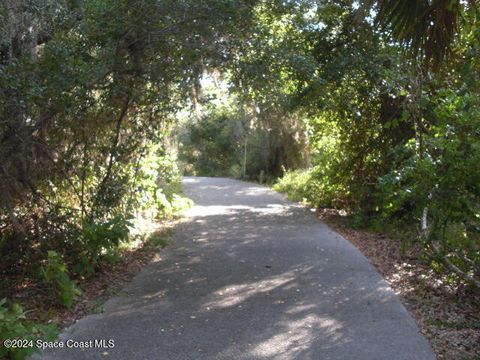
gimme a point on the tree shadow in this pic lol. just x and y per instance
(250, 276)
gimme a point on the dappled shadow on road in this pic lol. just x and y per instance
(235, 287)
(252, 276)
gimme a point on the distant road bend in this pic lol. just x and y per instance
(252, 276)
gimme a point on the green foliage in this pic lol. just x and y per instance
(159, 185)
(426, 27)
(312, 187)
(230, 140)
(390, 140)
(99, 240)
(90, 92)
(212, 145)
(296, 185)
(14, 325)
(55, 275)
(87, 106)
(444, 181)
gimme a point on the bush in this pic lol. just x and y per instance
(159, 184)
(100, 240)
(295, 184)
(444, 182)
(55, 275)
(225, 141)
(313, 186)
(14, 325)
(212, 145)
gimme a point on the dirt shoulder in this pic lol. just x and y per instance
(447, 314)
(96, 289)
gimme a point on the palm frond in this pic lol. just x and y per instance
(426, 27)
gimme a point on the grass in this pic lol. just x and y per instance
(160, 238)
(457, 325)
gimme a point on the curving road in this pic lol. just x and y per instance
(252, 276)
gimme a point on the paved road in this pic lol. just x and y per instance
(252, 276)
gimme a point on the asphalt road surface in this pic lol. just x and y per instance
(251, 276)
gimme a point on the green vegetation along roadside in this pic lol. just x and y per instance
(369, 107)
(33, 314)
(446, 312)
(445, 309)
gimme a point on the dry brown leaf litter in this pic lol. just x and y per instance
(448, 315)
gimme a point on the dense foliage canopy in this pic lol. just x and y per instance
(89, 90)
(372, 107)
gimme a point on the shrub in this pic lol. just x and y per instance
(295, 184)
(100, 239)
(54, 273)
(14, 325)
(314, 186)
(443, 184)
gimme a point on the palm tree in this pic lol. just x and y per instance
(427, 27)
